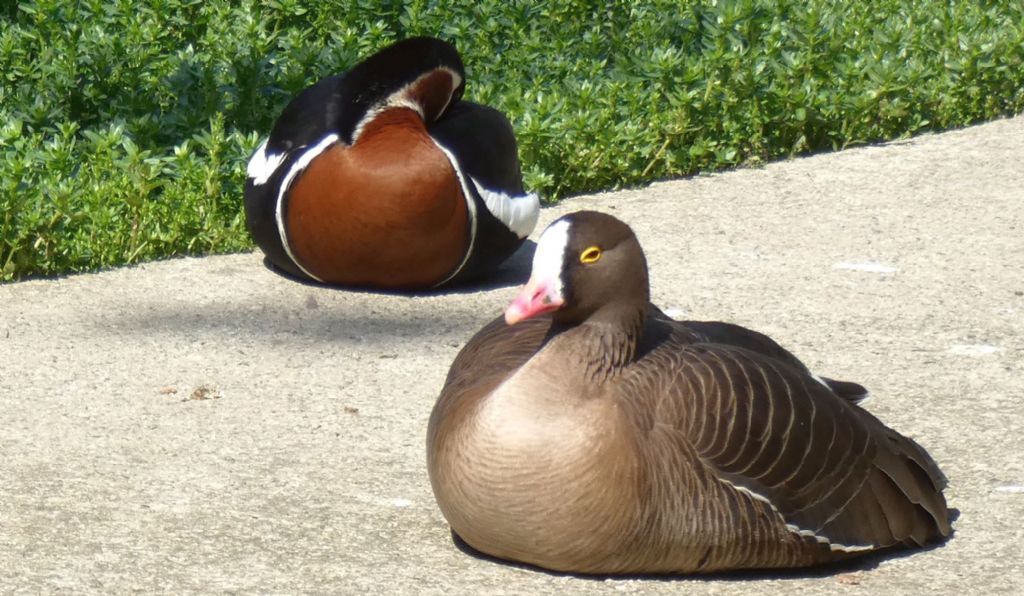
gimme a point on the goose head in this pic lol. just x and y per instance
(588, 266)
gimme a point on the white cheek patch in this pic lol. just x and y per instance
(262, 165)
(549, 258)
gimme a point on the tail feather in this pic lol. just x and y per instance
(900, 501)
(854, 393)
(921, 479)
(861, 523)
(909, 485)
(900, 513)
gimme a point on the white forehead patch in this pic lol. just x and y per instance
(550, 255)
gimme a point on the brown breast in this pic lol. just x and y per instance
(529, 478)
(388, 211)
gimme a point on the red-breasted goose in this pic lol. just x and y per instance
(383, 177)
(588, 432)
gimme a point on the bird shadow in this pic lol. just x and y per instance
(864, 562)
(330, 327)
(513, 272)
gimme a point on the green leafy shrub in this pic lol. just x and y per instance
(125, 127)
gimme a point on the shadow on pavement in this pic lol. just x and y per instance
(862, 563)
(513, 272)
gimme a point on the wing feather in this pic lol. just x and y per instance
(768, 428)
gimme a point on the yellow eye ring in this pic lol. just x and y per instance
(591, 254)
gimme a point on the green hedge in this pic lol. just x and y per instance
(125, 126)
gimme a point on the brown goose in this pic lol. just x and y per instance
(588, 432)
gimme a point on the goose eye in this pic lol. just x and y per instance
(590, 255)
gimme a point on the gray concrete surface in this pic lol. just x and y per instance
(203, 425)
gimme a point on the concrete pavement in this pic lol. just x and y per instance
(204, 425)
